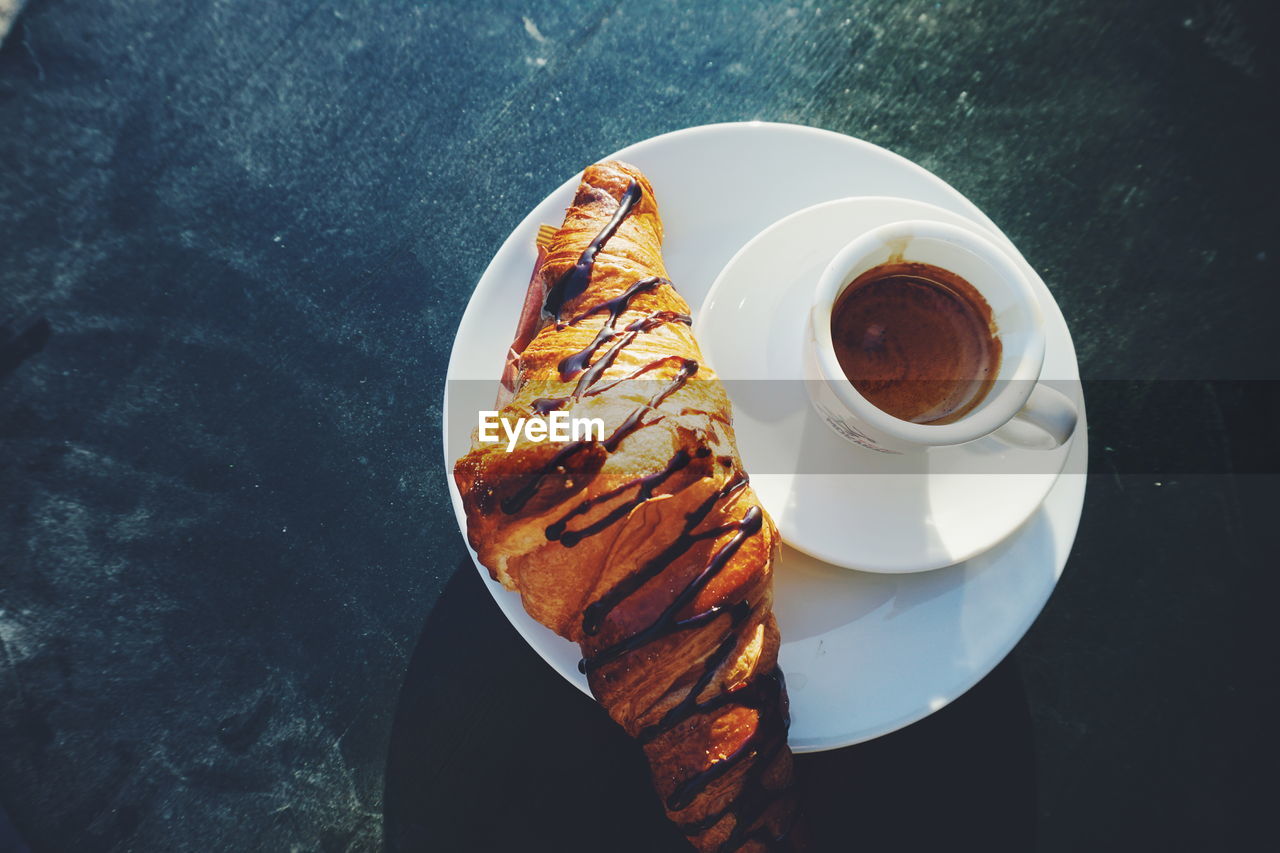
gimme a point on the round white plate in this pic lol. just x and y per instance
(863, 654)
(844, 504)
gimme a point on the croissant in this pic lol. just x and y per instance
(644, 543)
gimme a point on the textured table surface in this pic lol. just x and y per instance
(235, 239)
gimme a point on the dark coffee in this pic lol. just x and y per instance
(917, 341)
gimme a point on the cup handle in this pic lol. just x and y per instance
(1046, 421)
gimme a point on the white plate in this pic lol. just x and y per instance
(864, 654)
(843, 504)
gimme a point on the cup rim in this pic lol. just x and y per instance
(1014, 385)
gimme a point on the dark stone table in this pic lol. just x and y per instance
(235, 611)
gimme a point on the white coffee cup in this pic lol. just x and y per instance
(1017, 409)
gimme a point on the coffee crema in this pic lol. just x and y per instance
(917, 341)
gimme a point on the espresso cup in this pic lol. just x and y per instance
(1017, 408)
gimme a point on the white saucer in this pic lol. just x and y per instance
(844, 504)
(864, 654)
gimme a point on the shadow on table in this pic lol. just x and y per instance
(491, 750)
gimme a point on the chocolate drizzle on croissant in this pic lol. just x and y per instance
(574, 280)
(646, 546)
